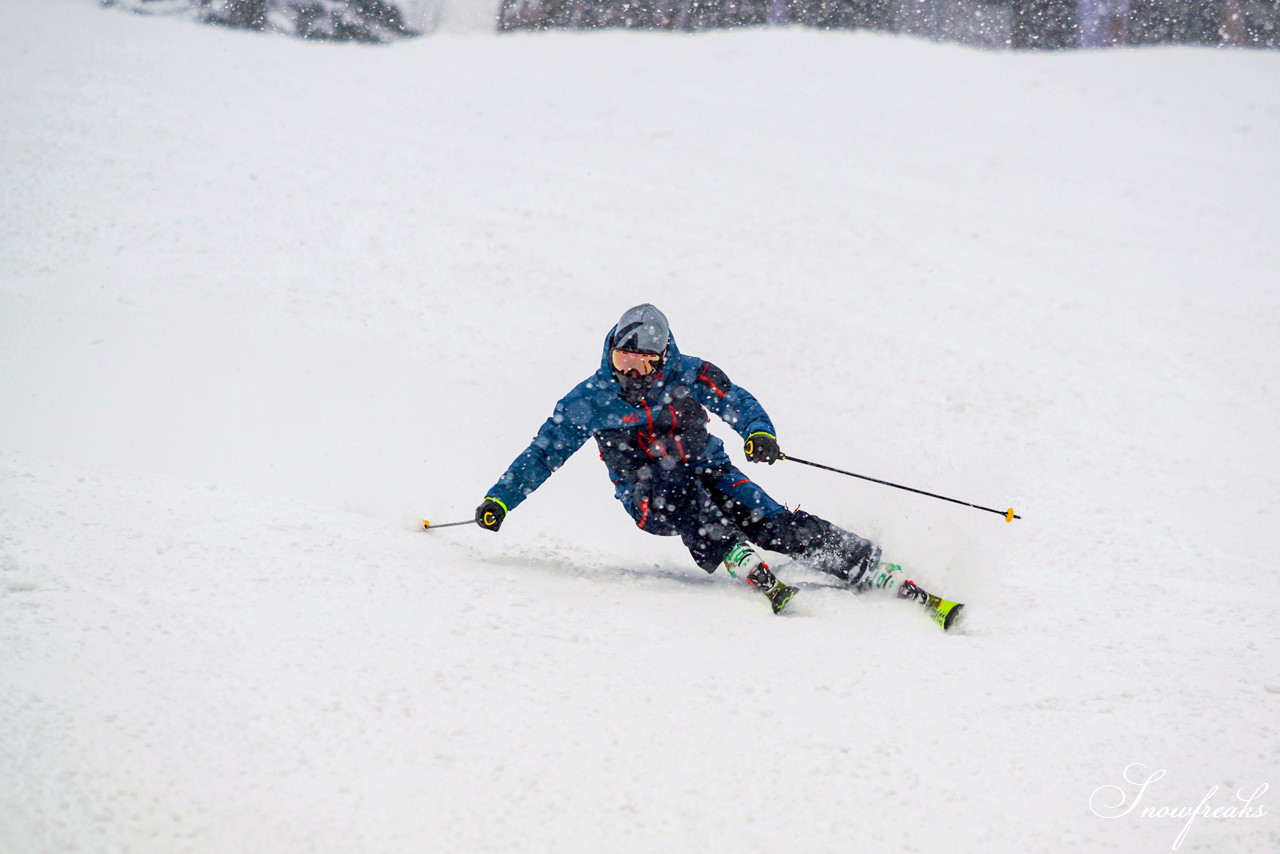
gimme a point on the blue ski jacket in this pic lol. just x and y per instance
(665, 429)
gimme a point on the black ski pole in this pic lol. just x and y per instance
(1008, 515)
(431, 526)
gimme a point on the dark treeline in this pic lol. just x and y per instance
(1028, 24)
(1045, 24)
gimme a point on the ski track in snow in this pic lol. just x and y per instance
(263, 311)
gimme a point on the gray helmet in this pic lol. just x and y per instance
(642, 328)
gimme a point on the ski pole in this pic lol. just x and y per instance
(1008, 515)
(430, 526)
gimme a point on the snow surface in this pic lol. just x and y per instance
(265, 305)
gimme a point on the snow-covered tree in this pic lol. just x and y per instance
(334, 20)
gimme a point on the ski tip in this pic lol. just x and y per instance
(783, 598)
(953, 617)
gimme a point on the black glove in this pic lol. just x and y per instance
(489, 514)
(761, 447)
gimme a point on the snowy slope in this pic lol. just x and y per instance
(264, 305)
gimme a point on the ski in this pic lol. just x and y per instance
(780, 595)
(889, 577)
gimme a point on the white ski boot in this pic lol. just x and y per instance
(742, 561)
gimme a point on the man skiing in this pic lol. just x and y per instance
(646, 406)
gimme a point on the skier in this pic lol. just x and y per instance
(646, 406)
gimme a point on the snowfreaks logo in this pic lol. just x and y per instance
(1117, 801)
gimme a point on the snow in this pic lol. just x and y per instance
(265, 305)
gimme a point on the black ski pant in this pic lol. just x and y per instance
(713, 508)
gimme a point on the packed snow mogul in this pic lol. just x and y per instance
(646, 406)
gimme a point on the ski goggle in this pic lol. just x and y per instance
(626, 361)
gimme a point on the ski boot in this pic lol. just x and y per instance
(880, 575)
(944, 612)
(863, 569)
(888, 577)
(743, 559)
